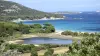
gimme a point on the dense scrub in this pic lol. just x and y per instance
(89, 46)
(27, 48)
(14, 29)
(85, 34)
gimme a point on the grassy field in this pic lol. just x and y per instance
(57, 50)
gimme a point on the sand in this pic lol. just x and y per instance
(23, 37)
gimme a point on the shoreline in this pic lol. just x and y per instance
(21, 39)
(56, 34)
(45, 35)
(43, 19)
(60, 31)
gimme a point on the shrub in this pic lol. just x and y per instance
(34, 52)
(48, 28)
(85, 34)
(67, 33)
(89, 46)
(49, 52)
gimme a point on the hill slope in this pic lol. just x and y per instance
(11, 10)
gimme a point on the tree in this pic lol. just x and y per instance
(48, 28)
(7, 29)
(75, 34)
(24, 29)
(37, 26)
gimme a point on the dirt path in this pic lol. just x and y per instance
(56, 51)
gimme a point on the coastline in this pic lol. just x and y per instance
(20, 20)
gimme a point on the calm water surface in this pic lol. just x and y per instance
(43, 40)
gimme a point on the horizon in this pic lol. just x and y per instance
(61, 5)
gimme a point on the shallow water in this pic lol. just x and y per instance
(43, 40)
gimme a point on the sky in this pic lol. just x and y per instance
(61, 5)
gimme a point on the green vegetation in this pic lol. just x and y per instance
(46, 28)
(7, 29)
(10, 10)
(28, 48)
(49, 52)
(34, 52)
(36, 28)
(20, 48)
(8, 52)
(10, 29)
(85, 34)
(89, 46)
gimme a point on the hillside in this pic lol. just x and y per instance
(10, 10)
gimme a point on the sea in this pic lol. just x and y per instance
(82, 22)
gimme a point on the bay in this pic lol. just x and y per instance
(83, 22)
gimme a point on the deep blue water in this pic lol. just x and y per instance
(43, 40)
(88, 22)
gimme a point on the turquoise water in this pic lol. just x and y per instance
(43, 40)
(87, 22)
